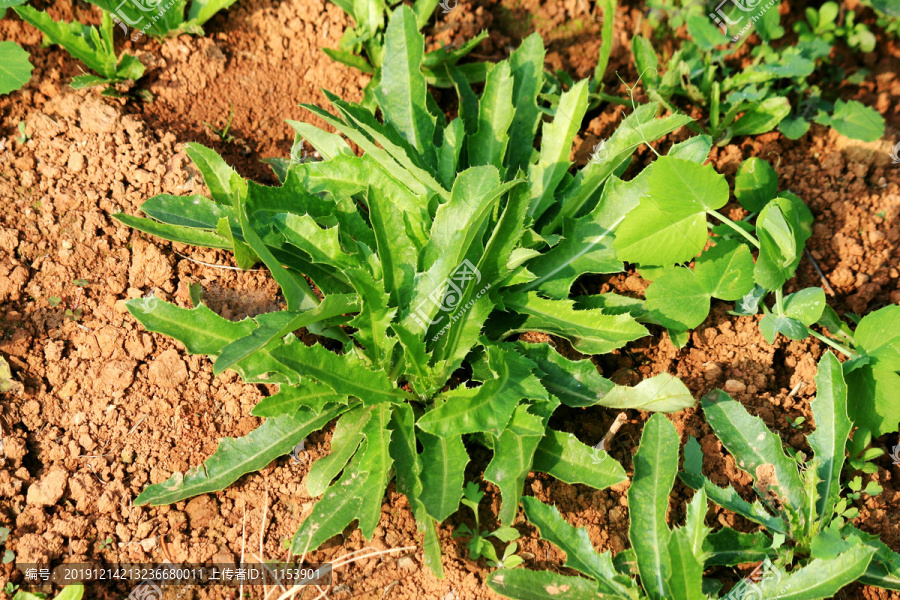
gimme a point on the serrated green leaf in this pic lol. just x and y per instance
(521, 584)
(705, 33)
(489, 406)
(728, 547)
(755, 183)
(660, 393)
(175, 233)
(358, 494)
(348, 433)
(761, 118)
(402, 91)
(345, 374)
(444, 462)
(526, 65)
(757, 450)
(186, 211)
(580, 553)
(556, 145)
(487, 146)
(821, 578)
(872, 399)
(513, 455)
(576, 383)
(564, 457)
(686, 579)
(833, 426)
(669, 224)
(235, 457)
(590, 331)
(655, 465)
(217, 175)
(291, 398)
(645, 60)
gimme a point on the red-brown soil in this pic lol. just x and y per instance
(109, 408)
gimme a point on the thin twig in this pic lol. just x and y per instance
(142, 419)
(206, 264)
(800, 385)
(607, 439)
(827, 286)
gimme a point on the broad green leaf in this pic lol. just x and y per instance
(755, 183)
(821, 578)
(806, 306)
(323, 245)
(660, 393)
(401, 94)
(564, 457)
(275, 325)
(728, 547)
(349, 59)
(783, 226)
(763, 117)
(513, 455)
(291, 398)
(771, 325)
(345, 374)
(856, 120)
(15, 68)
(576, 383)
(522, 584)
(580, 553)
(448, 154)
(526, 65)
(495, 114)
(638, 128)
(726, 270)
(757, 450)
(878, 336)
(359, 492)
(887, 7)
(556, 145)
(590, 331)
(669, 225)
(833, 426)
(655, 466)
(489, 406)
(705, 33)
(793, 127)
(695, 149)
(872, 399)
(444, 463)
(235, 457)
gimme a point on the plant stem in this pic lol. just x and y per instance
(779, 301)
(732, 224)
(843, 350)
(612, 99)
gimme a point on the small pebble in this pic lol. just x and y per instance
(76, 162)
(733, 386)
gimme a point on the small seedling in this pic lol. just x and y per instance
(10, 588)
(223, 133)
(23, 137)
(796, 423)
(479, 544)
(106, 543)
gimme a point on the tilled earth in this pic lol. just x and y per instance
(108, 408)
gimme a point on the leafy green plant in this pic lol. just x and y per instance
(479, 544)
(798, 500)
(773, 91)
(430, 251)
(807, 548)
(364, 47)
(825, 24)
(223, 132)
(172, 19)
(91, 46)
(15, 68)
